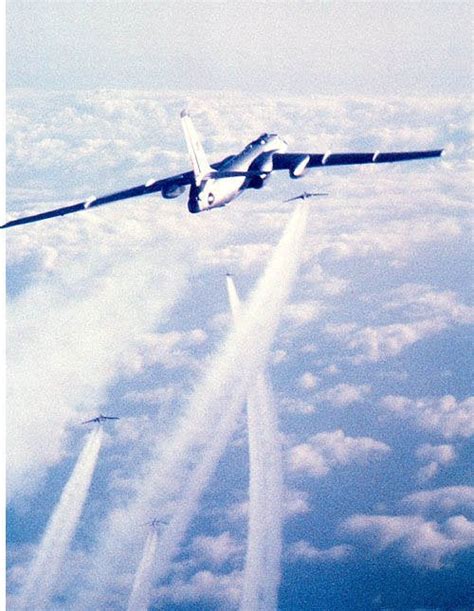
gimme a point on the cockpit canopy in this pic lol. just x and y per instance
(262, 139)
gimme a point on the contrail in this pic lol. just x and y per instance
(263, 318)
(46, 565)
(262, 564)
(139, 597)
(173, 480)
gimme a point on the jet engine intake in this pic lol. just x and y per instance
(256, 182)
(172, 190)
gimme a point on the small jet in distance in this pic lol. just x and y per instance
(155, 523)
(304, 195)
(100, 418)
(215, 185)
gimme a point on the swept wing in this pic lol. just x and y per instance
(151, 186)
(289, 161)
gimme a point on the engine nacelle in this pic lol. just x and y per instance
(172, 190)
(256, 182)
(299, 165)
(263, 163)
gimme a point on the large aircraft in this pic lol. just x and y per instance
(215, 185)
(100, 418)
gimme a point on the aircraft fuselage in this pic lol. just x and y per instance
(220, 188)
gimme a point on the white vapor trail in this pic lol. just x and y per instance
(264, 544)
(173, 480)
(138, 600)
(48, 561)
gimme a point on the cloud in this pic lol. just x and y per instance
(297, 502)
(172, 350)
(323, 282)
(217, 550)
(436, 455)
(444, 416)
(296, 405)
(421, 301)
(303, 312)
(242, 257)
(425, 311)
(307, 380)
(325, 451)
(344, 394)
(377, 343)
(302, 550)
(154, 396)
(69, 335)
(222, 589)
(447, 499)
(423, 543)
(394, 238)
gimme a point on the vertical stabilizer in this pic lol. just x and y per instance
(201, 167)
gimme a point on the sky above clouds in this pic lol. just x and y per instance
(120, 310)
(310, 47)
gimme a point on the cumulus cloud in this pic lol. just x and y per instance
(425, 312)
(216, 550)
(297, 502)
(323, 282)
(303, 550)
(436, 456)
(394, 238)
(221, 589)
(66, 350)
(377, 343)
(170, 349)
(303, 312)
(423, 543)
(344, 394)
(447, 499)
(307, 380)
(296, 405)
(324, 451)
(444, 416)
(422, 301)
(154, 396)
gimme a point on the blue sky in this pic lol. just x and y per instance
(121, 310)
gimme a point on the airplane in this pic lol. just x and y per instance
(155, 523)
(305, 195)
(215, 185)
(100, 418)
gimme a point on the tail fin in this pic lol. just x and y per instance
(201, 167)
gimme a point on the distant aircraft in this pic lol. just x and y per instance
(100, 418)
(155, 523)
(305, 195)
(215, 185)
